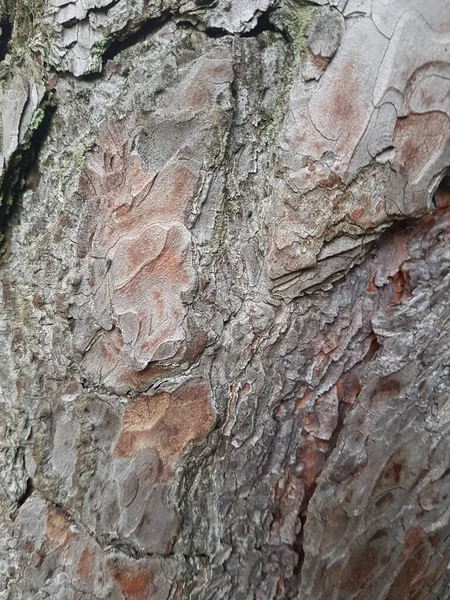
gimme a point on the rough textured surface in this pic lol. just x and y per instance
(224, 317)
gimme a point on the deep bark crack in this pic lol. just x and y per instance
(5, 36)
(18, 168)
(137, 34)
(29, 489)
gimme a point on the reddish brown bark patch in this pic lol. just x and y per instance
(310, 460)
(137, 250)
(56, 529)
(417, 551)
(419, 139)
(166, 422)
(135, 584)
(85, 564)
(210, 78)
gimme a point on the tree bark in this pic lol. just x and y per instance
(224, 316)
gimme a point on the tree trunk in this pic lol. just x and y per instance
(224, 314)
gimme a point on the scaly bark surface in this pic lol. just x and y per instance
(224, 314)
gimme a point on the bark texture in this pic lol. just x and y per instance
(224, 310)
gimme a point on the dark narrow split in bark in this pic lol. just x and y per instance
(26, 494)
(148, 27)
(5, 36)
(20, 166)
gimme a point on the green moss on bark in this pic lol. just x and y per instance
(23, 16)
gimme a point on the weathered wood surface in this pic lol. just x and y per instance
(225, 317)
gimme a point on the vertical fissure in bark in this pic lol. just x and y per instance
(19, 171)
(29, 489)
(5, 36)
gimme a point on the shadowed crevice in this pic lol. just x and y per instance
(138, 34)
(19, 167)
(5, 36)
(29, 489)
